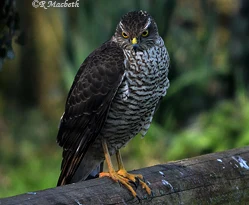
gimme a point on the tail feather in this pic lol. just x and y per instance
(68, 170)
(87, 169)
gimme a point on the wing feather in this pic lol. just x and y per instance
(87, 106)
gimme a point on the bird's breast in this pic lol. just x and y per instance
(133, 106)
(146, 73)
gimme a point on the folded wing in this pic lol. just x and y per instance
(87, 106)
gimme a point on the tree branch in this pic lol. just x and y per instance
(218, 178)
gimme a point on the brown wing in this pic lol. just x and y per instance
(87, 105)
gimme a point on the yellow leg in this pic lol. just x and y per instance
(133, 177)
(112, 173)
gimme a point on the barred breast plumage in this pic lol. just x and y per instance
(133, 107)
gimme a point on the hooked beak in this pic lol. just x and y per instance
(134, 44)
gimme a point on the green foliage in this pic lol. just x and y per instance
(223, 127)
(34, 173)
(30, 158)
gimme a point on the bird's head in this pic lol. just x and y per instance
(136, 30)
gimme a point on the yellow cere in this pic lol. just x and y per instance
(134, 41)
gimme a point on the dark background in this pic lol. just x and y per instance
(206, 108)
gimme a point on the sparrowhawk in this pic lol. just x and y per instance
(112, 99)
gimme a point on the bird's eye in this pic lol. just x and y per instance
(124, 35)
(145, 33)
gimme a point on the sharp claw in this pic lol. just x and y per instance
(139, 200)
(138, 180)
(134, 183)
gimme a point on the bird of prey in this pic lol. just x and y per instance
(112, 99)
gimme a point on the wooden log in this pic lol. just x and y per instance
(218, 178)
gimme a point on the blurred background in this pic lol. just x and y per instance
(206, 108)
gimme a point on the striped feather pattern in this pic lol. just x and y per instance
(133, 107)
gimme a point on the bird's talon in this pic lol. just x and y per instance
(134, 183)
(139, 200)
(134, 179)
(126, 179)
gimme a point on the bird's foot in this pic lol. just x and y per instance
(123, 177)
(134, 178)
(118, 178)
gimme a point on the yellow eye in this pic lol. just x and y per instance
(124, 35)
(145, 33)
